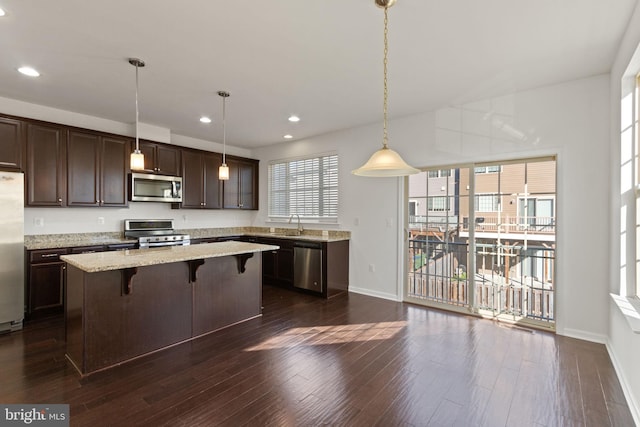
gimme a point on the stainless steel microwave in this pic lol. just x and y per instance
(144, 187)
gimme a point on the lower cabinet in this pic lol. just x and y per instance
(277, 265)
(45, 283)
(46, 277)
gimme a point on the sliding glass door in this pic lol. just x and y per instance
(481, 239)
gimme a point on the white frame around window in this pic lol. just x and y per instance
(304, 186)
(481, 201)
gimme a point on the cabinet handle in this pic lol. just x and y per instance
(48, 255)
(59, 199)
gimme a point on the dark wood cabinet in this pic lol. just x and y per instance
(45, 283)
(46, 150)
(160, 158)
(241, 189)
(11, 144)
(97, 169)
(200, 184)
(277, 265)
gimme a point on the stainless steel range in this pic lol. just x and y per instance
(154, 232)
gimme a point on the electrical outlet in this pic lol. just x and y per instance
(185, 218)
(389, 222)
(356, 221)
(101, 220)
(325, 233)
(372, 268)
(272, 230)
(38, 222)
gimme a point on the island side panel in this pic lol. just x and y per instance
(73, 316)
(120, 326)
(338, 265)
(223, 296)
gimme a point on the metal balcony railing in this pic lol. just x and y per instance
(519, 224)
(508, 280)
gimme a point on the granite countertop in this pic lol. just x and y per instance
(117, 260)
(54, 241)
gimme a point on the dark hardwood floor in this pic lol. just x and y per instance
(351, 360)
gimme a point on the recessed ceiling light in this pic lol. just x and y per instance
(2, 12)
(28, 71)
(288, 136)
(294, 118)
(204, 119)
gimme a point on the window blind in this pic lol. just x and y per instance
(306, 187)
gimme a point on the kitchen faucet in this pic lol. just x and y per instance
(300, 228)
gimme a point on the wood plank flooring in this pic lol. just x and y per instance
(351, 360)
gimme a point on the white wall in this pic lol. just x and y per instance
(623, 344)
(85, 220)
(570, 120)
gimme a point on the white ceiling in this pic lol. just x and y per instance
(319, 59)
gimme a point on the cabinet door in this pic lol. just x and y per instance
(46, 288)
(211, 183)
(114, 168)
(167, 160)
(285, 266)
(10, 144)
(241, 189)
(83, 169)
(232, 186)
(248, 185)
(192, 171)
(148, 149)
(46, 165)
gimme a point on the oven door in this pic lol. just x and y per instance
(155, 188)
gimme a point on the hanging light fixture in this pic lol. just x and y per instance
(385, 162)
(137, 158)
(223, 170)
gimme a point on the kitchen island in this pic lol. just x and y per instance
(123, 305)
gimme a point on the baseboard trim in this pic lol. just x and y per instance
(369, 292)
(626, 390)
(583, 335)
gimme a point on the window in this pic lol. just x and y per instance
(306, 187)
(437, 203)
(487, 203)
(439, 173)
(487, 169)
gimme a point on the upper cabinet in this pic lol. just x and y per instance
(241, 189)
(160, 158)
(46, 150)
(200, 184)
(11, 144)
(97, 169)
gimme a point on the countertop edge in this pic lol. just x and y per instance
(118, 260)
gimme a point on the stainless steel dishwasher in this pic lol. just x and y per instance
(307, 266)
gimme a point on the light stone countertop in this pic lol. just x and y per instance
(117, 260)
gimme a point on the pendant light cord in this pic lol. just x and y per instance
(224, 130)
(137, 113)
(384, 63)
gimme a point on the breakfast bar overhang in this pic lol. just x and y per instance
(123, 305)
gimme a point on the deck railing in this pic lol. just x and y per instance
(508, 281)
(518, 224)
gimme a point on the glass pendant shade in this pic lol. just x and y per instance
(223, 172)
(137, 160)
(384, 163)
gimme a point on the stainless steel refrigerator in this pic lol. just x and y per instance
(11, 251)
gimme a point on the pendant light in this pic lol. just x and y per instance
(223, 170)
(137, 158)
(385, 162)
